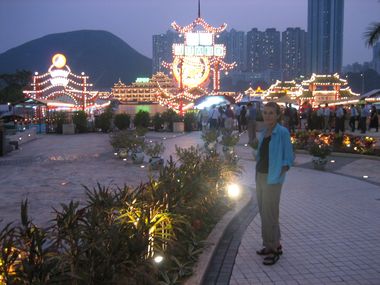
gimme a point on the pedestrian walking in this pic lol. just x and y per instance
(364, 113)
(374, 120)
(339, 120)
(353, 117)
(326, 118)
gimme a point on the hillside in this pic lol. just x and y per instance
(100, 54)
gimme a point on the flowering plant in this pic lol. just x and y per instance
(319, 150)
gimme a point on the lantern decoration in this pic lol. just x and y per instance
(197, 56)
(61, 86)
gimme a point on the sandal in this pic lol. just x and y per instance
(265, 251)
(271, 260)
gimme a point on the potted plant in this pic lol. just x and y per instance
(210, 138)
(122, 142)
(228, 141)
(155, 150)
(125, 142)
(319, 151)
(137, 148)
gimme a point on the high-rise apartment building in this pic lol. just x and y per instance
(236, 46)
(325, 36)
(162, 50)
(264, 52)
(293, 53)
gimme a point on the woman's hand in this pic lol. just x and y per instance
(284, 169)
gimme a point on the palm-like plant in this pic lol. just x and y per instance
(372, 34)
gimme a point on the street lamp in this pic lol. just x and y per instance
(362, 76)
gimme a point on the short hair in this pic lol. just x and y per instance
(275, 106)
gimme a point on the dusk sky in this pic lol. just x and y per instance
(135, 21)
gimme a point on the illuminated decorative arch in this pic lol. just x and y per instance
(60, 82)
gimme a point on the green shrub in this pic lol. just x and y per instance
(117, 232)
(142, 119)
(58, 119)
(80, 121)
(104, 120)
(157, 122)
(154, 149)
(170, 116)
(190, 120)
(122, 121)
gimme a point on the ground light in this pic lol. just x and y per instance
(233, 191)
(158, 259)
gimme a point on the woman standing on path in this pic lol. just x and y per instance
(275, 156)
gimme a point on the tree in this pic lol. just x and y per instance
(80, 121)
(122, 121)
(14, 84)
(372, 34)
(104, 120)
(142, 119)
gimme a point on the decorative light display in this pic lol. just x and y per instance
(196, 57)
(65, 87)
(59, 60)
(195, 70)
(331, 89)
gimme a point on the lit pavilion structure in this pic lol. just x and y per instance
(155, 89)
(61, 88)
(197, 57)
(283, 92)
(331, 89)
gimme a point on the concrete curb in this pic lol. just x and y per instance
(345, 154)
(214, 237)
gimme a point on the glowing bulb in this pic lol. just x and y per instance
(365, 176)
(233, 191)
(59, 60)
(158, 259)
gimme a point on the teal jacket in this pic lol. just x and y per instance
(280, 153)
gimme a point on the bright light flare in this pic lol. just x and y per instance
(234, 191)
(158, 258)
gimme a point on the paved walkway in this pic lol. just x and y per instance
(330, 220)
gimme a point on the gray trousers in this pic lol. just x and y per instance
(268, 199)
(251, 131)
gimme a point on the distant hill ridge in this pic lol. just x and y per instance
(100, 54)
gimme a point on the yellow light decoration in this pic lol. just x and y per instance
(195, 70)
(59, 60)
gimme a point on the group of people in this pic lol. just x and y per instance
(362, 118)
(228, 118)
